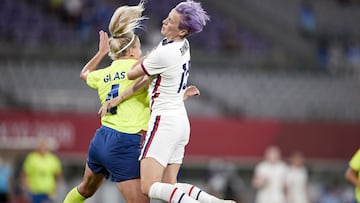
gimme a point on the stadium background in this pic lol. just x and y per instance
(270, 73)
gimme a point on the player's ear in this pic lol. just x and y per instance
(183, 33)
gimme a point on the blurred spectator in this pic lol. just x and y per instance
(307, 19)
(235, 187)
(323, 44)
(336, 58)
(297, 180)
(270, 177)
(217, 178)
(41, 173)
(231, 43)
(224, 181)
(343, 2)
(352, 174)
(55, 6)
(87, 19)
(352, 56)
(331, 194)
(73, 9)
(5, 181)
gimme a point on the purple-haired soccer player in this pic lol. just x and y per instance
(169, 129)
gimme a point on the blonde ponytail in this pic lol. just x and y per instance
(122, 26)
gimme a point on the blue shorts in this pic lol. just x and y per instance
(40, 198)
(115, 154)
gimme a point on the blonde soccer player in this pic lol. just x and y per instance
(114, 150)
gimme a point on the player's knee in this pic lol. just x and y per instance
(169, 180)
(145, 189)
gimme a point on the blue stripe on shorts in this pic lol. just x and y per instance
(115, 154)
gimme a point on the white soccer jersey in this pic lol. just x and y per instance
(169, 65)
(275, 176)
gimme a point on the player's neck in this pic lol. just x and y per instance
(175, 39)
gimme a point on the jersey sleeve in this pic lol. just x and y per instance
(157, 62)
(93, 78)
(355, 161)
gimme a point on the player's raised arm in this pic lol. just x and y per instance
(95, 60)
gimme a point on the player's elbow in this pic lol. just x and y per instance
(130, 75)
(349, 174)
(83, 76)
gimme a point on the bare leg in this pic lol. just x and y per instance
(90, 183)
(170, 173)
(131, 191)
(151, 171)
(151, 175)
(88, 186)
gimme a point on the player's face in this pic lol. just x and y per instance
(170, 28)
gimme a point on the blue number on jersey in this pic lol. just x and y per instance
(184, 76)
(114, 92)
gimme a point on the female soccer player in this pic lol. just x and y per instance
(352, 174)
(168, 130)
(114, 149)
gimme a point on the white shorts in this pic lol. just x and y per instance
(166, 139)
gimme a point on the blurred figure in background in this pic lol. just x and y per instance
(270, 177)
(217, 178)
(352, 174)
(223, 180)
(5, 181)
(297, 180)
(331, 193)
(307, 19)
(42, 171)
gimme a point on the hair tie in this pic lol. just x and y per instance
(127, 46)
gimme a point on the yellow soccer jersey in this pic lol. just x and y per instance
(41, 171)
(132, 115)
(355, 164)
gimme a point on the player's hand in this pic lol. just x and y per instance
(191, 91)
(104, 108)
(104, 46)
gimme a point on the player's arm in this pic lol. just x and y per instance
(139, 84)
(351, 176)
(95, 60)
(137, 70)
(258, 182)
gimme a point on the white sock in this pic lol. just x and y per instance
(198, 194)
(169, 193)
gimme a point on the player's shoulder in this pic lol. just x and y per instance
(174, 47)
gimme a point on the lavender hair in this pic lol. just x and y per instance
(193, 16)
